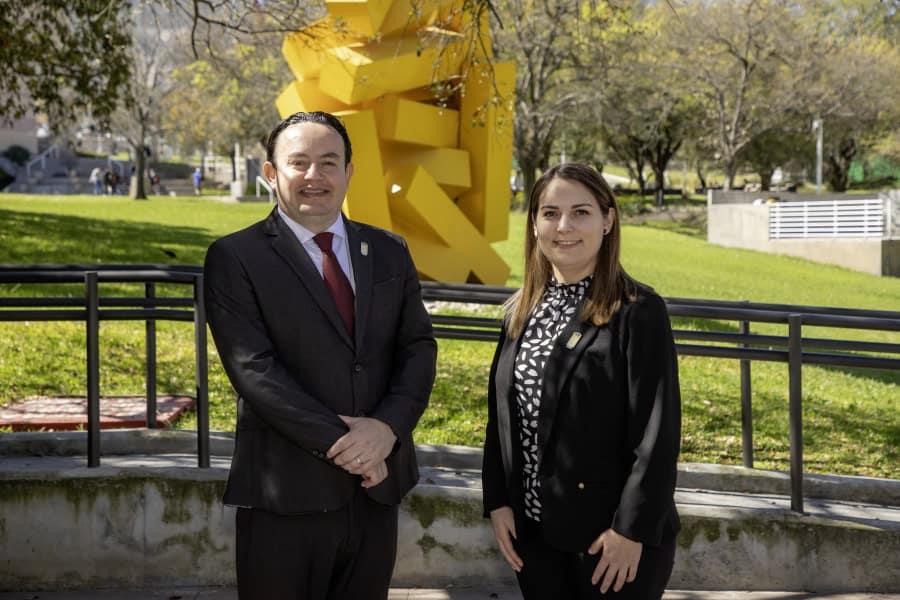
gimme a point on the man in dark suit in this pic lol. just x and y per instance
(320, 325)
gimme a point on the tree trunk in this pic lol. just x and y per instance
(700, 177)
(659, 157)
(637, 170)
(137, 189)
(765, 179)
(659, 188)
(838, 174)
(838, 163)
(529, 176)
(731, 166)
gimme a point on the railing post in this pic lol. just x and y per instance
(150, 336)
(201, 374)
(795, 383)
(746, 404)
(93, 367)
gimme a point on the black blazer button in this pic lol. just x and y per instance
(357, 367)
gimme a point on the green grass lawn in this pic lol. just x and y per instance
(851, 418)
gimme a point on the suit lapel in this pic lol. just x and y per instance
(360, 256)
(578, 334)
(505, 397)
(286, 245)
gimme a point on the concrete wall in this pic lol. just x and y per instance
(742, 197)
(747, 226)
(23, 132)
(144, 527)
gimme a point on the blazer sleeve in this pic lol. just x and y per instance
(653, 428)
(415, 353)
(251, 362)
(493, 477)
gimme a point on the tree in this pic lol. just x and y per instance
(138, 116)
(642, 112)
(64, 58)
(546, 38)
(856, 99)
(789, 146)
(69, 59)
(227, 100)
(747, 60)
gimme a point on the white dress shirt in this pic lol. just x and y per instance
(339, 245)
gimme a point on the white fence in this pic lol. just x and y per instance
(865, 218)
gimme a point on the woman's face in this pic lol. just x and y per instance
(569, 227)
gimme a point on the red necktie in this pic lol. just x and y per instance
(336, 280)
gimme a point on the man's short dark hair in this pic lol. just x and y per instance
(323, 118)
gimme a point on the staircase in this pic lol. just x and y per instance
(59, 171)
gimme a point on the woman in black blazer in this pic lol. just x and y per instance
(584, 420)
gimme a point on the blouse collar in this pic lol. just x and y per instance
(577, 289)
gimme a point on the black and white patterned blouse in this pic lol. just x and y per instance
(555, 310)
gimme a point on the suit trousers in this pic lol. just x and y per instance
(345, 554)
(552, 574)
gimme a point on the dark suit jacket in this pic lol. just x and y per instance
(295, 368)
(608, 430)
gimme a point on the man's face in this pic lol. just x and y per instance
(309, 175)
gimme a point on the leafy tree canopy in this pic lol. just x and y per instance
(64, 57)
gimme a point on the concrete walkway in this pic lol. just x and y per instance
(493, 593)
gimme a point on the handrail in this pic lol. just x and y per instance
(93, 308)
(265, 184)
(793, 348)
(42, 158)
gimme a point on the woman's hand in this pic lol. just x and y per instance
(619, 559)
(505, 526)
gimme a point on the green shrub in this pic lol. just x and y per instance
(17, 154)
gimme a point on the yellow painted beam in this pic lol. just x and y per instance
(433, 260)
(409, 16)
(360, 16)
(486, 130)
(416, 197)
(305, 96)
(401, 120)
(354, 75)
(366, 199)
(448, 166)
(304, 50)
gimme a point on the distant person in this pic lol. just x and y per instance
(96, 178)
(108, 182)
(115, 180)
(198, 181)
(153, 178)
(584, 414)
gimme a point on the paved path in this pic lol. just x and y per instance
(495, 593)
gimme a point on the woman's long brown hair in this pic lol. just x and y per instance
(610, 285)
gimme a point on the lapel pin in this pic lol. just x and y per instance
(573, 340)
(364, 248)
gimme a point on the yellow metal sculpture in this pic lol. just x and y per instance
(435, 169)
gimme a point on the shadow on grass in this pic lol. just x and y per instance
(65, 240)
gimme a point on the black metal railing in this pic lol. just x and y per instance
(793, 349)
(93, 308)
(743, 345)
